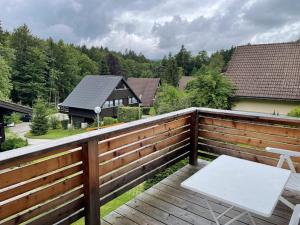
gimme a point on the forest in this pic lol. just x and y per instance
(32, 68)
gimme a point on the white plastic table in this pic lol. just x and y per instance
(252, 187)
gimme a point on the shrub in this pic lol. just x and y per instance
(16, 117)
(77, 124)
(39, 124)
(54, 122)
(109, 121)
(295, 112)
(12, 143)
(152, 111)
(170, 99)
(127, 114)
(64, 124)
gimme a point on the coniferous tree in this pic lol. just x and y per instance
(39, 125)
(5, 83)
(170, 74)
(183, 60)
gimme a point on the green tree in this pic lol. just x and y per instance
(216, 62)
(170, 99)
(5, 83)
(200, 60)
(170, 71)
(103, 67)
(227, 54)
(212, 90)
(183, 60)
(39, 125)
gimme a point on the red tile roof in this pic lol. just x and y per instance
(144, 87)
(266, 71)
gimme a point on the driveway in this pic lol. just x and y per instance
(22, 128)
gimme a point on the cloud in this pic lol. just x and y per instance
(156, 27)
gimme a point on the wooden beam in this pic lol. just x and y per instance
(91, 182)
(194, 138)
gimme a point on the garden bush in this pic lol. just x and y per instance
(127, 114)
(64, 124)
(109, 121)
(54, 122)
(295, 112)
(12, 143)
(77, 124)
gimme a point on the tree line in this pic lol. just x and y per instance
(32, 68)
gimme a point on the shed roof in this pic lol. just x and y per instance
(184, 80)
(144, 87)
(266, 71)
(92, 91)
(13, 107)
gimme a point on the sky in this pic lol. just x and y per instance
(157, 27)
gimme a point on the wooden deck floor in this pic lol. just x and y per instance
(168, 203)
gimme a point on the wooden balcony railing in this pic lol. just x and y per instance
(71, 178)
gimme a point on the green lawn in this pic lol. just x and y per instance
(117, 202)
(57, 133)
(131, 194)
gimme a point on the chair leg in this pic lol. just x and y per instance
(287, 203)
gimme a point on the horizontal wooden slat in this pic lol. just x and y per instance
(135, 173)
(243, 155)
(37, 183)
(60, 213)
(158, 165)
(139, 153)
(251, 134)
(128, 148)
(289, 134)
(28, 172)
(132, 137)
(21, 161)
(137, 163)
(245, 140)
(40, 196)
(60, 200)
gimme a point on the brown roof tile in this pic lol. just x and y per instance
(266, 71)
(146, 87)
(184, 80)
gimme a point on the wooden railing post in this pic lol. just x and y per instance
(91, 182)
(194, 138)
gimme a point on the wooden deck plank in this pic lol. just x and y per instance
(137, 216)
(168, 203)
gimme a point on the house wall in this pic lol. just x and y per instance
(265, 106)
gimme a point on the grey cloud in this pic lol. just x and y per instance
(157, 27)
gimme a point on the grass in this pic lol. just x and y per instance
(131, 194)
(55, 134)
(117, 202)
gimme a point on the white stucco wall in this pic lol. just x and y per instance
(265, 106)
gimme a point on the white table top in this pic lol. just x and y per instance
(251, 186)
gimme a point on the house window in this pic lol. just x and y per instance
(111, 103)
(106, 104)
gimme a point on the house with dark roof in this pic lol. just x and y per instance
(106, 91)
(6, 108)
(145, 89)
(266, 76)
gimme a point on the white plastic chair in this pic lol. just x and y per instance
(296, 216)
(293, 183)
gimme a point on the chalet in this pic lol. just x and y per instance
(6, 108)
(145, 88)
(267, 77)
(105, 91)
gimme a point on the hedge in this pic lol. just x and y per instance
(12, 143)
(109, 121)
(127, 114)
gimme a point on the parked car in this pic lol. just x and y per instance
(26, 118)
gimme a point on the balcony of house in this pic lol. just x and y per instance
(72, 178)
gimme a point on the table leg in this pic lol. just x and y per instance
(216, 218)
